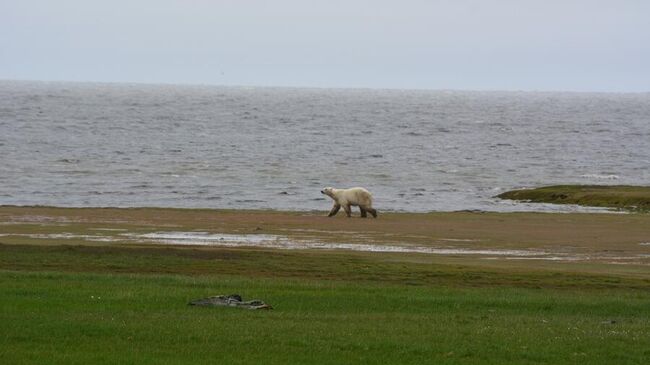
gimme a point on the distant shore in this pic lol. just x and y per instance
(627, 197)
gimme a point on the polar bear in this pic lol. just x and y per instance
(350, 197)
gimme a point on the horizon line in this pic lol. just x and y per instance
(351, 88)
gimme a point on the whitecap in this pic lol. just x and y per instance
(600, 177)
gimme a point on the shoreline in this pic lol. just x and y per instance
(580, 209)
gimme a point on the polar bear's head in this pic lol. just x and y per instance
(329, 191)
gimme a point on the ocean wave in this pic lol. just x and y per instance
(600, 177)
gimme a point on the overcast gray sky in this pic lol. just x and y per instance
(584, 45)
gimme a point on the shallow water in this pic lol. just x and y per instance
(442, 247)
(70, 144)
(282, 242)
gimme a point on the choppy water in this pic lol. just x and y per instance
(71, 144)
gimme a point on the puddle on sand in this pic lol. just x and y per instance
(65, 236)
(205, 238)
(282, 242)
(197, 238)
(36, 220)
(553, 258)
(458, 239)
(356, 234)
(273, 241)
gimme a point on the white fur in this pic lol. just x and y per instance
(350, 197)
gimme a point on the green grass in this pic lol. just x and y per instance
(77, 318)
(612, 196)
(79, 305)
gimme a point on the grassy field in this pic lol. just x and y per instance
(67, 298)
(612, 196)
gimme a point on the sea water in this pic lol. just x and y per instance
(125, 145)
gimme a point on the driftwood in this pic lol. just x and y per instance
(233, 300)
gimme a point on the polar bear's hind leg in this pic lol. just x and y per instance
(372, 211)
(363, 212)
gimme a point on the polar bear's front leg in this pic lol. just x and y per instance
(335, 209)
